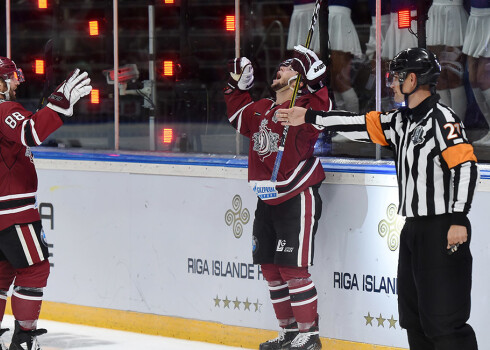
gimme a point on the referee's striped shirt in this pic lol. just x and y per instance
(435, 164)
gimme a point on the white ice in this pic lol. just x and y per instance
(63, 336)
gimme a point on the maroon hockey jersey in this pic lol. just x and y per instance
(20, 129)
(256, 120)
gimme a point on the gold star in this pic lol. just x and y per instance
(226, 302)
(381, 320)
(392, 322)
(369, 319)
(237, 304)
(247, 304)
(257, 305)
(216, 301)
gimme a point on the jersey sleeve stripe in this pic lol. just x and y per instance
(374, 128)
(458, 154)
(29, 135)
(23, 133)
(238, 114)
(34, 133)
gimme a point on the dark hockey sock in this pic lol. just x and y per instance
(26, 306)
(281, 303)
(304, 297)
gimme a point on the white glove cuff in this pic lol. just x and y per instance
(68, 112)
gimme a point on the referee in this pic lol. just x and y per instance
(437, 175)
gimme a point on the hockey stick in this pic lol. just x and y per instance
(277, 163)
(48, 73)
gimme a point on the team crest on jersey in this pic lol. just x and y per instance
(265, 141)
(418, 135)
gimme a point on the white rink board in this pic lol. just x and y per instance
(124, 240)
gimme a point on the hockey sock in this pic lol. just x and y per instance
(304, 297)
(26, 306)
(459, 102)
(279, 293)
(480, 100)
(351, 101)
(445, 97)
(281, 302)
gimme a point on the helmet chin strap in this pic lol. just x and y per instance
(289, 85)
(408, 94)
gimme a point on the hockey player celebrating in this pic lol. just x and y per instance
(23, 246)
(287, 214)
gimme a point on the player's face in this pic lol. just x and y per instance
(14, 83)
(282, 77)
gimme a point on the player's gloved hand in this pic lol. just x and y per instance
(241, 73)
(307, 63)
(69, 92)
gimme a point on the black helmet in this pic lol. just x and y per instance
(417, 60)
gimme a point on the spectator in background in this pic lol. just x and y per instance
(344, 45)
(475, 46)
(446, 28)
(300, 24)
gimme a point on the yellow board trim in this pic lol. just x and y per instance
(176, 327)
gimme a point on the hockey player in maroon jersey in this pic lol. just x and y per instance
(287, 214)
(23, 246)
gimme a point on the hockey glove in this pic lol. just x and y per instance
(69, 92)
(307, 63)
(241, 73)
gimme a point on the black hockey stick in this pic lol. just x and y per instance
(48, 73)
(277, 163)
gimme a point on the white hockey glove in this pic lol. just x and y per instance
(307, 63)
(69, 92)
(241, 73)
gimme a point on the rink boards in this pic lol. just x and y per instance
(162, 245)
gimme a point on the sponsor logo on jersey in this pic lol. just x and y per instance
(265, 141)
(264, 189)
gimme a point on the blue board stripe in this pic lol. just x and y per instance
(218, 161)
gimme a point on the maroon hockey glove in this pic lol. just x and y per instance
(241, 73)
(307, 63)
(69, 92)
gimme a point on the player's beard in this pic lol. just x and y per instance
(278, 86)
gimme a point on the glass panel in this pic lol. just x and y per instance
(193, 45)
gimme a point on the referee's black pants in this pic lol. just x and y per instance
(434, 288)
